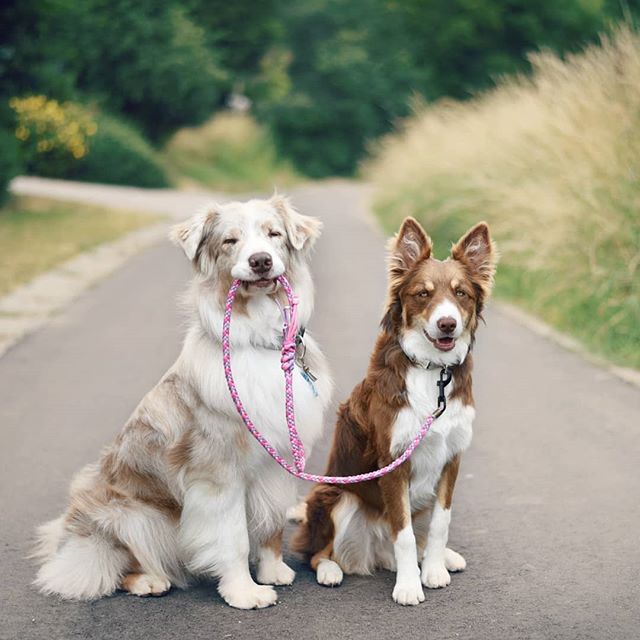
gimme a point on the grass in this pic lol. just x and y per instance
(552, 162)
(37, 234)
(230, 152)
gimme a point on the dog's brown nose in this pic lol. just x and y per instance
(447, 324)
(260, 262)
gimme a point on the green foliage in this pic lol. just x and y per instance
(118, 154)
(349, 81)
(460, 47)
(37, 48)
(148, 61)
(241, 32)
(230, 152)
(9, 161)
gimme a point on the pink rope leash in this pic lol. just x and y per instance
(287, 363)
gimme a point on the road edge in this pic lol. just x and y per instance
(541, 328)
(28, 307)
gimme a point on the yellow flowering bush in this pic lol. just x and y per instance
(68, 140)
(52, 133)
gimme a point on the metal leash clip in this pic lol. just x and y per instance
(445, 379)
(301, 351)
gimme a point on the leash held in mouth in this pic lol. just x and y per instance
(287, 362)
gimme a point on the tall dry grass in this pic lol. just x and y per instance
(552, 162)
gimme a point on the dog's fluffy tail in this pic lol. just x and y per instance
(77, 567)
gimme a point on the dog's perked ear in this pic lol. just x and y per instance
(302, 231)
(407, 247)
(477, 251)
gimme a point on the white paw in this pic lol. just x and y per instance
(329, 573)
(146, 585)
(454, 561)
(408, 592)
(248, 595)
(275, 572)
(435, 576)
(298, 513)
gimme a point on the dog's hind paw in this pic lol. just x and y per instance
(454, 561)
(329, 573)
(143, 585)
(297, 513)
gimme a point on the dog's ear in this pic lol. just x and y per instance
(190, 233)
(407, 247)
(477, 251)
(302, 231)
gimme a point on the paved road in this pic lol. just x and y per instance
(546, 509)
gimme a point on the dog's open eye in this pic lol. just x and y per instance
(274, 233)
(460, 293)
(422, 294)
(230, 241)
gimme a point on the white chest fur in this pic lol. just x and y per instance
(260, 383)
(450, 433)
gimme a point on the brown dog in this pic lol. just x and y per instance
(430, 322)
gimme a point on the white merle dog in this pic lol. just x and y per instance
(184, 489)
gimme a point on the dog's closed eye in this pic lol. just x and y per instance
(230, 241)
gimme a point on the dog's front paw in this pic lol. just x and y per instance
(329, 573)
(408, 592)
(247, 594)
(435, 576)
(276, 572)
(454, 561)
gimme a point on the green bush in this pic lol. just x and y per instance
(10, 165)
(230, 152)
(118, 154)
(69, 140)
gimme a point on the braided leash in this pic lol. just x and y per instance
(287, 363)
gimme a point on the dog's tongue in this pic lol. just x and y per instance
(262, 283)
(445, 344)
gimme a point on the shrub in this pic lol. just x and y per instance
(54, 135)
(68, 140)
(118, 154)
(10, 165)
(229, 152)
(552, 162)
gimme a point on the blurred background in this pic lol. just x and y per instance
(522, 113)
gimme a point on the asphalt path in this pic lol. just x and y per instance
(545, 511)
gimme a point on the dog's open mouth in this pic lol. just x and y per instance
(261, 283)
(445, 343)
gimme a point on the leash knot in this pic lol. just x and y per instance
(288, 357)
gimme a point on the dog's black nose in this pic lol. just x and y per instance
(447, 324)
(260, 262)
